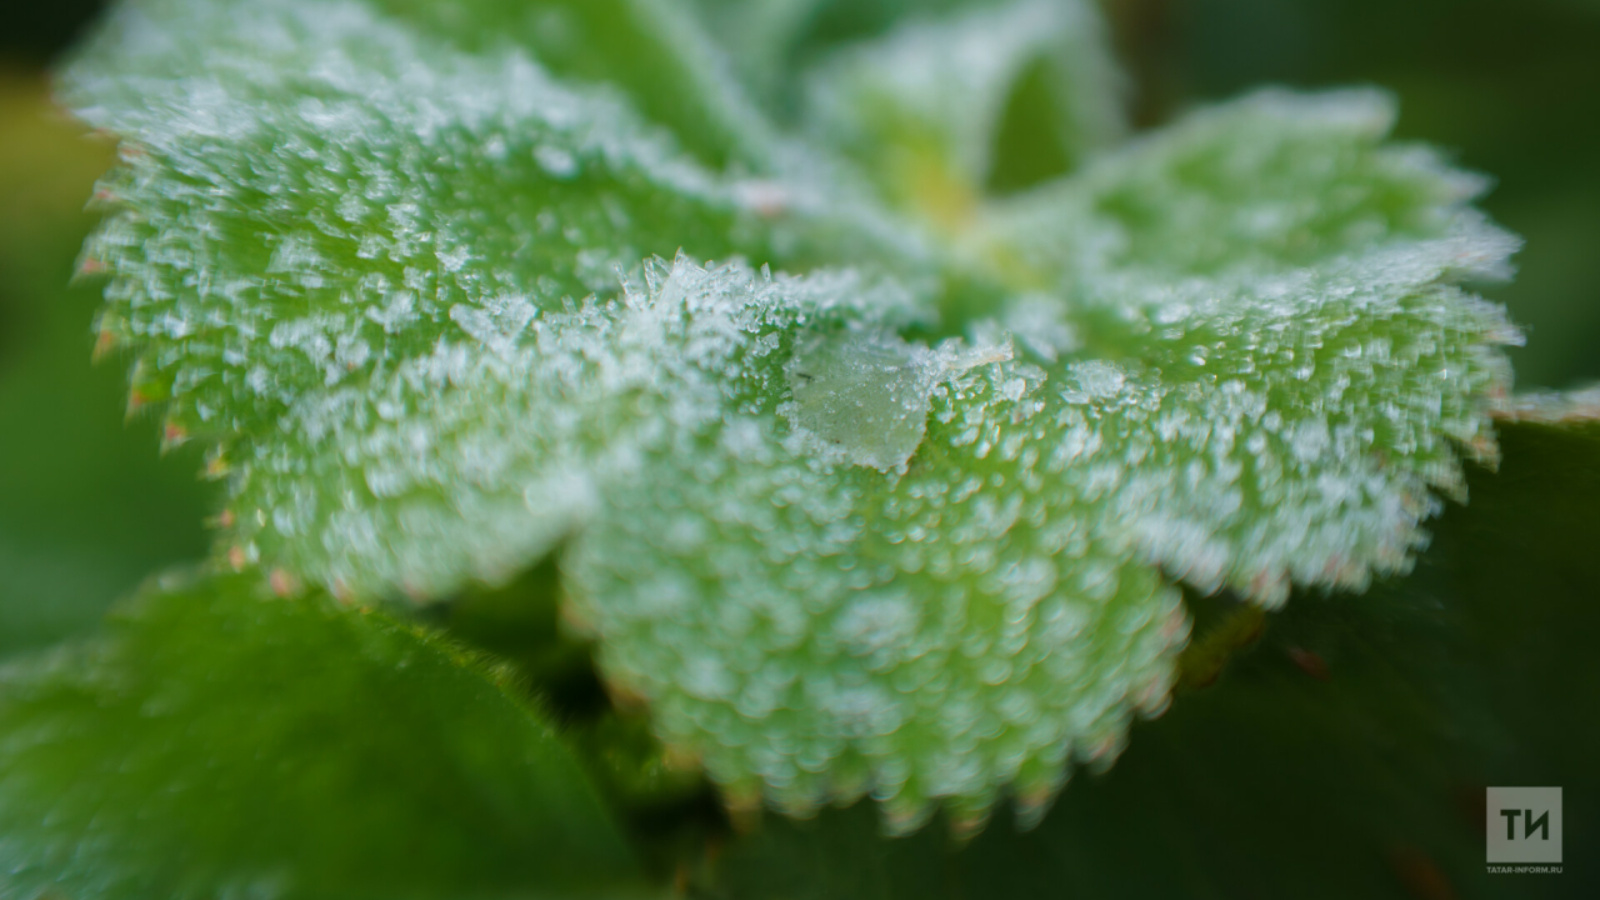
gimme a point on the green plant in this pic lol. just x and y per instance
(869, 421)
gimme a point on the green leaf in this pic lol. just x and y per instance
(653, 49)
(1272, 783)
(327, 246)
(761, 41)
(1268, 182)
(1259, 438)
(919, 606)
(923, 107)
(219, 743)
(1284, 366)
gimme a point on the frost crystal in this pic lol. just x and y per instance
(866, 395)
(410, 282)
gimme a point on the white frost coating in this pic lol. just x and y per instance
(429, 216)
(392, 176)
(1091, 381)
(862, 396)
(520, 424)
(940, 630)
(1293, 371)
(1272, 180)
(1264, 432)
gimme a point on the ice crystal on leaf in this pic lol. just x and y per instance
(444, 293)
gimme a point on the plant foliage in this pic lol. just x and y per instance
(876, 396)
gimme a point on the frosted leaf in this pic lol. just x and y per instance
(766, 40)
(923, 106)
(1286, 433)
(1296, 370)
(816, 628)
(342, 247)
(1273, 180)
(1252, 430)
(475, 458)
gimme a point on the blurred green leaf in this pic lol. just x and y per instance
(924, 108)
(221, 743)
(652, 49)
